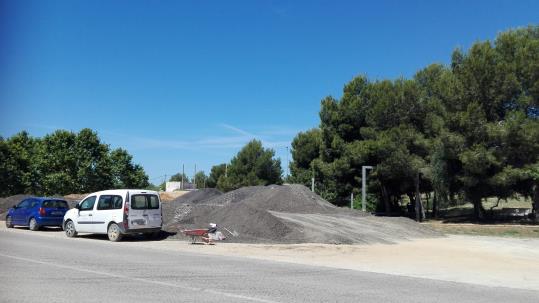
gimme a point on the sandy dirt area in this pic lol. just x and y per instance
(490, 261)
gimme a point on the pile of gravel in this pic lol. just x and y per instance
(288, 214)
(170, 209)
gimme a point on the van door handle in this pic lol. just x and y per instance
(90, 215)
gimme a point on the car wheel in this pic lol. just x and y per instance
(71, 232)
(33, 224)
(9, 222)
(114, 233)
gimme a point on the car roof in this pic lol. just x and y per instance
(122, 192)
(41, 199)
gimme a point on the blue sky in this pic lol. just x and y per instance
(190, 82)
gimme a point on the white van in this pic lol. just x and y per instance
(116, 213)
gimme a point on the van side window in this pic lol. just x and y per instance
(109, 202)
(88, 203)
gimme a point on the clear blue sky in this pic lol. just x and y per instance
(192, 81)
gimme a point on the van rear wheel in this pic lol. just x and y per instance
(114, 233)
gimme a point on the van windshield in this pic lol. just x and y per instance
(144, 202)
(55, 204)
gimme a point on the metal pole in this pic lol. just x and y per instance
(352, 201)
(195, 178)
(287, 163)
(226, 170)
(363, 187)
(183, 173)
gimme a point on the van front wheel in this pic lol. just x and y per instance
(70, 230)
(114, 233)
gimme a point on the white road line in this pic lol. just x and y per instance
(195, 289)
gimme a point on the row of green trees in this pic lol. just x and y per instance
(65, 162)
(253, 165)
(468, 129)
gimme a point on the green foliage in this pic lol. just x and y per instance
(65, 162)
(216, 172)
(178, 178)
(200, 179)
(470, 129)
(253, 165)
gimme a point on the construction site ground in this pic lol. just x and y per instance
(488, 261)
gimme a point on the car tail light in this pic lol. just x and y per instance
(42, 211)
(126, 211)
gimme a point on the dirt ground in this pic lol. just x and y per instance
(490, 261)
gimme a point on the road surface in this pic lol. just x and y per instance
(39, 268)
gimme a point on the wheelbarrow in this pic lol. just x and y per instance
(195, 233)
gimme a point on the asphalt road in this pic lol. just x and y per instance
(36, 268)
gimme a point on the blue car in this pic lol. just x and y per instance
(36, 212)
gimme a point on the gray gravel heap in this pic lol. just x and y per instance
(287, 214)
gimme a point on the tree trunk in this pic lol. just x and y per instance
(419, 210)
(479, 211)
(427, 196)
(535, 202)
(387, 204)
(435, 206)
(452, 199)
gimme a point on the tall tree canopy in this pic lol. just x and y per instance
(253, 165)
(65, 162)
(469, 129)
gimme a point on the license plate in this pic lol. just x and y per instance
(57, 213)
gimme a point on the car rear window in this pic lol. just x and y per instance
(55, 204)
(144, 202)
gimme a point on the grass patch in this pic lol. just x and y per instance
(513, 231)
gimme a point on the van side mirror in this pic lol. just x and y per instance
(14, 206)
(77, 206)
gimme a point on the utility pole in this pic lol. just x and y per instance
(287, 162)
(195, 178)
(226, 170)
(165, 182)
(363, 187)
(352, 201)
(183, 173)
